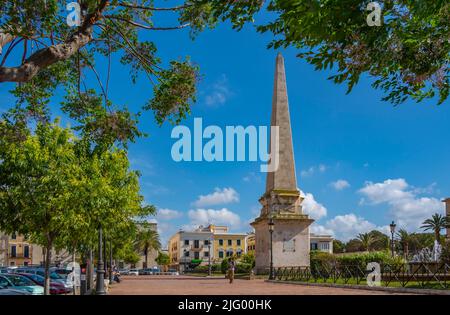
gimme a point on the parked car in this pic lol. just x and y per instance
(4, 270)
(124, 272)
(13, 292)
(18, 282)
(173, 272)
(145, 271)
(133, 272)
(55, 287)
(41, 272)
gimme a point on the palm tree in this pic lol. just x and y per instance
(436, 223)
(147, 239)
(366, 240)
(404, 238)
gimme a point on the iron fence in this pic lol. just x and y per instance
(414, 275)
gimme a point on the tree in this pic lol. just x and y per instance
(338, 246)
(436, 224)
(381, 240)
(43, 53)
(405, 239)
(408, 54)
(37, 177)
(147, 239)
(353, 245)
(56, 190)
(366, 240)
(163, 259)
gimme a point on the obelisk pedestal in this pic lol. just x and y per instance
(282, 200)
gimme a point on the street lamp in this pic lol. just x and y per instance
(271, 227)
(209, 257)
(392, 227)
(110, 262)
(100, 285)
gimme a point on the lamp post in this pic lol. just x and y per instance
(100, 285)
(209, 257)
(110, 262)
(271, 227)
(392, 227)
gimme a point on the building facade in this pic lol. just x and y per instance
(323, 243)
(204, 245)
(319, 242)
(15, 250)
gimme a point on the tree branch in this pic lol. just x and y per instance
(48, 56)
(141, 7)
(147, 27)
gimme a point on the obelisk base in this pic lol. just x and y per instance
(290, 241)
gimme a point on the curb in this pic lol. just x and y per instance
(363, 287)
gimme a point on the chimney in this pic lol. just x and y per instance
(447, 213)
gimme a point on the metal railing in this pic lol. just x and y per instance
(417, 275)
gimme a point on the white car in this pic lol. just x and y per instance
(134, 272)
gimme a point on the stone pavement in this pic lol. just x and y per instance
(191, 285)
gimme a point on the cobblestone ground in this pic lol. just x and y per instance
(190, 285)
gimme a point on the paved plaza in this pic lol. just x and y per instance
(190, 285)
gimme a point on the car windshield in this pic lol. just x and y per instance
(39, 279)
(20, 280)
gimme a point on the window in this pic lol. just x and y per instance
(238, 253)
(221, 242)
(221, 254)
(186, 254)
(196, 255)
(26, 251)
(13, 251)
(314, 246)
(14, 236)
(206, 242)
(196, 243)
(229, 253)
(230, 242)
(4, 282)
(186, 242)
(238, 242)
(25, 263)
(206, 254)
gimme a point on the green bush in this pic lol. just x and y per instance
(202, 268)
(224, 266)
(243, 267)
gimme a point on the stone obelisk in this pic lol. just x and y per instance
(282, 200)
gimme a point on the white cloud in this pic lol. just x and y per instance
(406, 207)
(168, 214)
(313, 169)
(348, 226)
(219, 196)
(219, 92)
(320, 229)
(252, 177)
(210, 216)
(312, 207)
(340, 184)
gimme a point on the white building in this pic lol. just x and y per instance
(321, 242)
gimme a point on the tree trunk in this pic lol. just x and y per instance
(48, 258)
(437, 234)
(146, 257)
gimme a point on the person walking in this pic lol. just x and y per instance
(231, 267)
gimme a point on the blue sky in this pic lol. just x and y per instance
(360, 162)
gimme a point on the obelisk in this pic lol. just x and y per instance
(282, 200)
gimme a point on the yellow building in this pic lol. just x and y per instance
(16, 251)
(251, 243)
(212, 243)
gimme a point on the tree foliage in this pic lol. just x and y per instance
(408, 54)
(57, 191)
